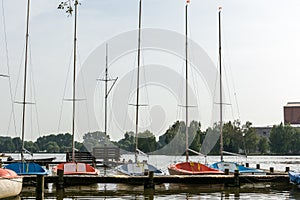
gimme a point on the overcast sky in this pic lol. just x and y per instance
(260, 47)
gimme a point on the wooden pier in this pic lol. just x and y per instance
(150, 180)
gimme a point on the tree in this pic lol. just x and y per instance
(250, 138)
(146, 141)
(284, 139)
(263, 145)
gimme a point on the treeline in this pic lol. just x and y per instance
(237, 138)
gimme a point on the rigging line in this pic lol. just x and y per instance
(17, 82)
(231, 75)
(83, 87)
(8, 70)
(64, 92)
(33, 90)
(180, 88)
(228, 90)
(145, 85)
(131, 86)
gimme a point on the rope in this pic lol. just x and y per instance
(64, 93)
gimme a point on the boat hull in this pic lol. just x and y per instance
(27, 168)
(137, 169)
(73, 168)
(10, 183)
(191, 168)
(232, 166)
(294, 178)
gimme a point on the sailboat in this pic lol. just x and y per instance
(189, 167)
(73, 167)
(137, 168)
(25, 167)
(222, 165)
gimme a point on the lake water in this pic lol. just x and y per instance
(182, 191)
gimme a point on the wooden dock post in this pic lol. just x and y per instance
(257, 166)
(271, 169)
(60, 174)
(287, 169)
(226, 171)
(236, 178)
(40, 181)
(150, 183)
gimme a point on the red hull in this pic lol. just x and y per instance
(72, 168)
(191, 168)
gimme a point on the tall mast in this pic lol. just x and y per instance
(221, 100)
(106, 80)
(25, 81)
(74, 81)
(138, 83)
(186, 84)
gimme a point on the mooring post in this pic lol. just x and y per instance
(40, 181)
(150, 182)
(226, 171)
(60, 174)
(236, 178)
(271, 169)
(247, 164)
(287, 169)
(257, 166)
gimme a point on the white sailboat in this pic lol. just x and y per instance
(137, 168)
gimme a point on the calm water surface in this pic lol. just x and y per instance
(182, 191)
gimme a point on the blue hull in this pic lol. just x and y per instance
(232, 166)
(294, 177)
(27, 168)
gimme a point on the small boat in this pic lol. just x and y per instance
(10, 183)
(189, 167)
(27, 168)
(73, 167)
(137, 168)
(294, 178)
(232, 166)
(192, 168)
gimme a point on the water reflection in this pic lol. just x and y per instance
(167, 191)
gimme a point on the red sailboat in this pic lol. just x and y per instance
(189, 167)
(73, 167)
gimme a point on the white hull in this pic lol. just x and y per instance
(10, 187)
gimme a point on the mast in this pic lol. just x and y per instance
(74, 81)
(25, 81)
(138, 83)
(106, 80)
(106, 90)
(221, 100)
(186, 84)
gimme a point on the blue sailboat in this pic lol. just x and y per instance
(223, 165)
(25, 167)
